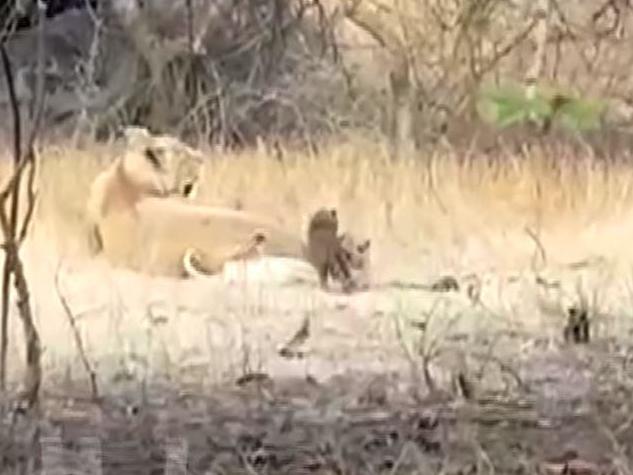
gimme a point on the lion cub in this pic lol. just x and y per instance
(352, 256)
(335, 256)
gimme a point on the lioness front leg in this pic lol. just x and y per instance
(194, 264)
(252, 249)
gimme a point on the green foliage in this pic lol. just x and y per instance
(508, 105)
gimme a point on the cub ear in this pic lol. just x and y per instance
(364, 246)
(259, 237)
(333, 213)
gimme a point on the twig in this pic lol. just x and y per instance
(37, 113)
(538, 243)
(541, 17)
(10, 187)
(189, 27)
(31, 197)
(13, 265)
(78, 341)
(37, 104)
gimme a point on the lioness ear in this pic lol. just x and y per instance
(132, 132)
(187, 189)
(152, 157)
(364, 246)
(259, 237)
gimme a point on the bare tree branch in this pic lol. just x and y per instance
(10, 188)
(541, 17)
(14, 233)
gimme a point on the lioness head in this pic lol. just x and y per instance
(159, 165)
(149, 165)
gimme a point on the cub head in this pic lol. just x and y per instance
(355, 255)
(324, 219)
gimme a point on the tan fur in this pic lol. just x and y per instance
(149, 166)
(194, 264)
(156, 236)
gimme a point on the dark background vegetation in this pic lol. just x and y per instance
(232, 72)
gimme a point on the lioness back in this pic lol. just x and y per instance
(167, 228)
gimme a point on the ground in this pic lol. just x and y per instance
(398, 379)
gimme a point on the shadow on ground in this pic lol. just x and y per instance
(573, 399)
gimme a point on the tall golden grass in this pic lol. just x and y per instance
(435, 204)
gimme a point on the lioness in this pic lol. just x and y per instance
(149, 166)
(141, 223)
(128, 203)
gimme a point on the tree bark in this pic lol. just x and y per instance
(400, 116)
(541, 17)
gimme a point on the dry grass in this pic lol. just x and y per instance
(443, 206)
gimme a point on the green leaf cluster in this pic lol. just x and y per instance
(508, 105)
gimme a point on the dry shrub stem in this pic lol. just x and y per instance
(9, 224)
(15, 232)
(78, 341)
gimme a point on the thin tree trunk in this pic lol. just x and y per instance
(541, 16)
(402, 101)
(10, 233)
(14, 232)
(400, 116)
